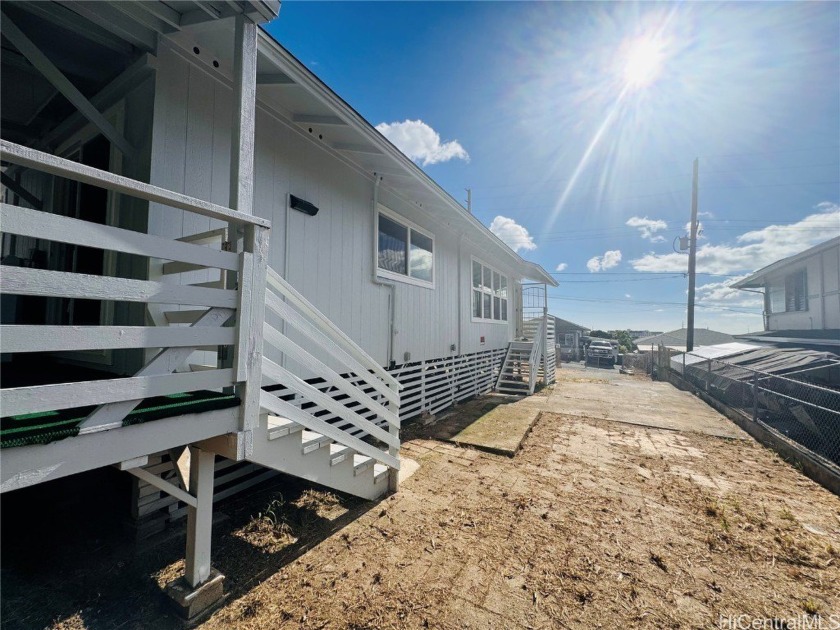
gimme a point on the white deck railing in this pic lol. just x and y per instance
(537, 352)
(368, 389)
(212, 305)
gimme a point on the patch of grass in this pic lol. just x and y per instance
(787, 515)
(712, 508)
(810, 606)
(796, 552)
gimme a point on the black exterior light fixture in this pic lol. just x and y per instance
(301, 205)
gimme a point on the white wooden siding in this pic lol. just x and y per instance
(823, 288)
(330, 257)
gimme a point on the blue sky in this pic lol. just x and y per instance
(576, 125)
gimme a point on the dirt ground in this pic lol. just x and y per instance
(594, 523)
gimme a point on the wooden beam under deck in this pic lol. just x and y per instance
(29, 465)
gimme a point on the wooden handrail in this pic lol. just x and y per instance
(279, 284)
(54, 165)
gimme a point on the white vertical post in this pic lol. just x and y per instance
(244, 113)
(394, 451)
(241, 194)
(200, 517)
(250, 345)
(545, 344)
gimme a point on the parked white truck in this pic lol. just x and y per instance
(600, 352)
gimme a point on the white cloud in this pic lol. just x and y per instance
(609, 260)
(514, 235)
(648, 228)
(722, 295)
(627, 295)
(562, 267)
(753, 250)
(422, 143)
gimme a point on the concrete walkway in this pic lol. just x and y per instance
(606, 394)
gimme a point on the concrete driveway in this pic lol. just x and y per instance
(607, 394)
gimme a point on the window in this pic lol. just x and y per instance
(796, 292)
(404, 250)
(489, 294)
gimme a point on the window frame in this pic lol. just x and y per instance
(791, 282)
(410, 227)
(484, 293)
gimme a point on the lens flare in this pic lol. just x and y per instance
(643, 63)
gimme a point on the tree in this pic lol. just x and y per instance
(625, 341)
(600, 334)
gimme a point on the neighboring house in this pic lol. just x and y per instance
(801, 298)
(637, 334)
(212, 262)
(676, 339)
(569, 338)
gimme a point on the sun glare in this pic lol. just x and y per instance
(643, 63)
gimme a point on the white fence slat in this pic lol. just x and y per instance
(17, 338)
(289, 347)
(54, 227)
(19, 400)
(24, 281)
(165, 362)
(296, 384)
(313, 333)
(307, 420)
(326, 325)
(47, 163)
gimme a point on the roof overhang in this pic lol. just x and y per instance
(286, 85)
(756, 280)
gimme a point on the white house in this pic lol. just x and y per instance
(207, 253)
(801, 293)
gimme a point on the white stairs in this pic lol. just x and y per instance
(288, 447)
(515, 375)
(342, 433)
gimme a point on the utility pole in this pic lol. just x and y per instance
(469, 199)
(692, 260)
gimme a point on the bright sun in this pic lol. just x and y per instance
(643, 63)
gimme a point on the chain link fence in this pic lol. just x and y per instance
(802, 405)
(640, 363)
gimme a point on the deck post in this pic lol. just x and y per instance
(202, 587)
(393, 474)
(200, 517)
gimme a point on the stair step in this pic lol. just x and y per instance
(339, 453)
(380, 472)
(280, 427)
(312, 441)
(361, 463)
